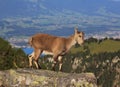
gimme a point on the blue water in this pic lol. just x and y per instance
(29, 51)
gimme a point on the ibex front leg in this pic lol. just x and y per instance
(55, 57)
(36, 56)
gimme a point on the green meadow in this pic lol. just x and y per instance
(96, 47)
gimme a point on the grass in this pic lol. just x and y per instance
(95, 48)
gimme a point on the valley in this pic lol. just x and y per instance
(29, 17)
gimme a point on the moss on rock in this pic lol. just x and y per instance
(45, 78)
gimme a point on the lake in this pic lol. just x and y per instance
(29, 51)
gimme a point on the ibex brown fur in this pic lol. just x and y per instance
(56, 46)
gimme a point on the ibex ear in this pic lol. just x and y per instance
(76, 30)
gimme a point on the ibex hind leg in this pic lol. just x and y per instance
(30, 60)
(36, 57)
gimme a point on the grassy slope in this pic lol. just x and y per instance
(105, 46)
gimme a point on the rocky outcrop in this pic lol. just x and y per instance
(45, 78)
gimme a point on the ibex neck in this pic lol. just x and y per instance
(71, 41)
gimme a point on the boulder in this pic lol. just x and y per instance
(45, 78)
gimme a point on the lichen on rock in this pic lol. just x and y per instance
(45, 78)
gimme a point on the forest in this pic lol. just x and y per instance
(101, 57)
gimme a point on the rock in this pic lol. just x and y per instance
(45, 78)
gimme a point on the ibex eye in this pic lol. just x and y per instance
(80, 36)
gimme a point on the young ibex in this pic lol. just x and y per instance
(56, 46)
